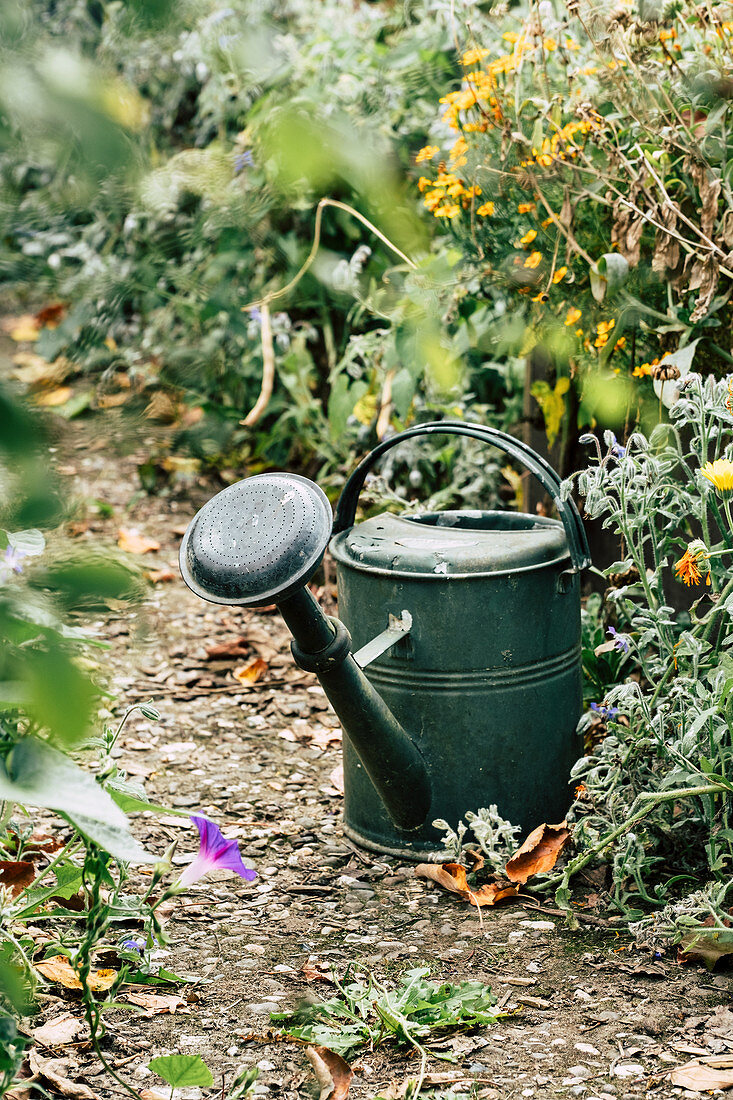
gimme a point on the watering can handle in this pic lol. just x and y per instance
(547, 477)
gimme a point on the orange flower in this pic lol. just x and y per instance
(426, 153)
(688, 567)
(559, 274)
(573, 316)
(533, 260)
(485, 210)
(529, 237)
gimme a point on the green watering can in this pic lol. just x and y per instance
(455, 666)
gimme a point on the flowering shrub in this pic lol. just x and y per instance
(655, 789)
(581, 168)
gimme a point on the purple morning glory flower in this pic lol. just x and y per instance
(255, 315)
(604, 711)
(131, 945)
(11, 562)
(620, 641)
(215, 854)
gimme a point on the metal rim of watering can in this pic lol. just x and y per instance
(535, 463)
(228, 557)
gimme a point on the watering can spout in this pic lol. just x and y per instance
(259, 542)
(390, 757)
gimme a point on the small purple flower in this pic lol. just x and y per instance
(11, 562)
(215, 854)
(131, 945)
(242, 161)
(620, 641)
(617, 450)
(255, 315)
(605, 712)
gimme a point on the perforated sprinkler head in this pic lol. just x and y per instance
(258, 541)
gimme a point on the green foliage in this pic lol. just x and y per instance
(656, 788)
(367, 1012)
(182, 1070)
(580, 165)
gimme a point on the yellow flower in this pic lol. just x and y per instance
(546, 222)
(644, 369)
(550, 44)
(427, 153)
(533, 260)
(485, 210)
(529, 237)
(423, 183)
(525, 207)
(470, 57)
(720, 473)
(559, 274)
(447, 210)
(573, 316)
(688, 567)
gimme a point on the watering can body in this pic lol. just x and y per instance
(455, 667)
(488, 679)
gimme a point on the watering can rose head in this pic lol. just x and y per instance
(215, 854)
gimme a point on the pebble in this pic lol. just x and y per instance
(586, 1048)
(578, 1071)
(254, 948)
(538, 925)
(628, 1069)
(266, 1006)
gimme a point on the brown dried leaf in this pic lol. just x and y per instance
(252, 672)
(53, 1071)
(703, 277)
(666, 248)
(452, 876)
(697, 947)
(705, 1075)
(160, 576)
(539, 852)
(336, 778)
(314, 971)
(15, 876)
(112, 400)
(162, 407)
(21, 329)
(61, 1030)
(332, 1072)
(240, 647)
(133, 542)
(59, 969)
(34, 370)
(156, 1004)
(51, 399)
(52, 315)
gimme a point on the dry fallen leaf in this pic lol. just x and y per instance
(51, 399)
(15, 876)
(332, 1072)
(336, 778)
(240, 647)
(314, 971)
(112, 400)
(160, 576)
(21, 328)
(704, 1075)
(61, 1030)
(252, 672)
(452, 876)
(59, 969)
(54, 1070)
(52, 315)
(34, 370)
(155, 1004)
(130, 539)
(162, 407)
(539, 852)
(697, 947)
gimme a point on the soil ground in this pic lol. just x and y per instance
(584, 1015)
